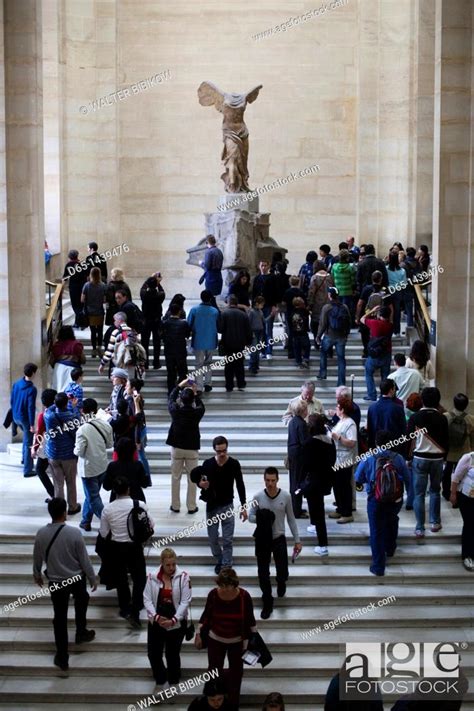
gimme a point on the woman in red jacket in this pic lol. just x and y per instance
(226, 624)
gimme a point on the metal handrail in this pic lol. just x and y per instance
(54, 311)
(422, 315)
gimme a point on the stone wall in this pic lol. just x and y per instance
(338, 91)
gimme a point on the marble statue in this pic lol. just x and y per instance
(235, 132)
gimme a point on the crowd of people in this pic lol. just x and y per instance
(327, 451)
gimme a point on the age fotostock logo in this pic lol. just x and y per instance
(428, 669)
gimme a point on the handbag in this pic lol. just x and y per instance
(82, 318)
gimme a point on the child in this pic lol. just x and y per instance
(37, 449)
(257, 325)
(299, 327)
(74, 390)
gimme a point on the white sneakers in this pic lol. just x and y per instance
(468, 563)
(311, 529)
(321, 550)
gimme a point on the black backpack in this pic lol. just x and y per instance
(135, 318)
(339, 319)
(457, 430)
(139, 525)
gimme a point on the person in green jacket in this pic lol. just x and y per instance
(344, 276)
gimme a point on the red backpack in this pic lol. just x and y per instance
(388, 484)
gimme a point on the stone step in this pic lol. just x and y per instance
(131, 691)
(320, 572)
(351, 596)
(197, 551)
(40, 638)
(137, 666)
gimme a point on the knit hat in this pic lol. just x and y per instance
(120, 373)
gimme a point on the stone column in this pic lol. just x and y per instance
(385, 194)
(453, 291)
(23, 283)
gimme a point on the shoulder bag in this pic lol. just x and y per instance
(46, 553)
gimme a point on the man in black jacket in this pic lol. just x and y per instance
(175, 331)
(266, 285)
(216, 478)
(186, 410)
(236, 335)
(152, 295)
(367, 266)
(131, 310)
(429, 454)
(94, 259)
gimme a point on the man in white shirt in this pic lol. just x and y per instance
(315, 407)
(408, 380)
(92, 440)
(126, 556)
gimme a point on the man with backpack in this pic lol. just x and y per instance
(379, 349)
(129, 524)
(334, 328)
(461, 438)
(119, 328)
(124, 349)
(384, 473)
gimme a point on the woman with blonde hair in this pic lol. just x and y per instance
(93, 297)
(166, 597)
(116, 282)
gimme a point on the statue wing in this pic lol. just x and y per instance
(210, 95)
(252, 95)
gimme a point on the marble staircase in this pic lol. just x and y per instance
(434, 594)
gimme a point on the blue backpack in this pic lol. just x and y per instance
(339, 318)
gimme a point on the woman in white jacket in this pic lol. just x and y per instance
(166, 597)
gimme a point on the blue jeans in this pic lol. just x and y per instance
(422, 470)
(410, 491)
(408, 303)
(340, 344)
(268, 329)
(92, 501)
(349, 302)
(142, 458)
(383, 526)
(301, 347)
(371, 365)
(222, 555)
(28, 466)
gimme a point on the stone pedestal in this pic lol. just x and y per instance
(242, 233)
